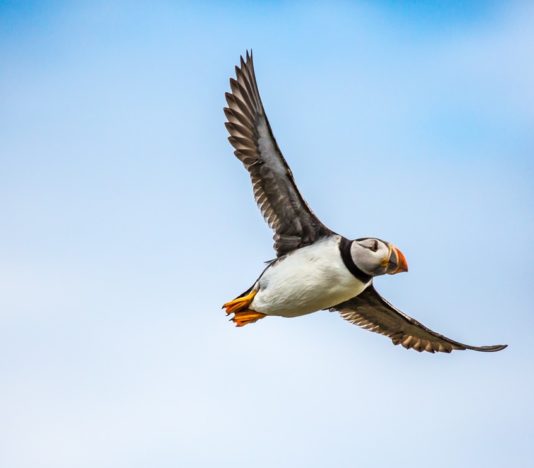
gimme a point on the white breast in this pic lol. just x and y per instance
(309, 279)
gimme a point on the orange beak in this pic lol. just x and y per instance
(397, 261)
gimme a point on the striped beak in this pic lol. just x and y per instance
(397, 261)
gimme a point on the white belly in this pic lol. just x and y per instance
(309, 279)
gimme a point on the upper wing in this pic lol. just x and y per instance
(275, 191)
(372, 312)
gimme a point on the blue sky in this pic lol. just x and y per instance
(127, 222)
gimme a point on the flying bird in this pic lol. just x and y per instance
(315, 268)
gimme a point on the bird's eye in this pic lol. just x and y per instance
(374, 246)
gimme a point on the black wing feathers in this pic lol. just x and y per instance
(275, 191)
(371, 311)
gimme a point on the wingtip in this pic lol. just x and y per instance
(247, 59)
(499, 347)
(489, 349)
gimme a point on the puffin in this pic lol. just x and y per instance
(315, 268)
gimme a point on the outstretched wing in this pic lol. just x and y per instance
(371, 311)
(275, 191)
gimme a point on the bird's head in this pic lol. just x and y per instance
(377, 257)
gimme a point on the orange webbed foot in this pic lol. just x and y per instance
(239, 303)
(245, 317)
(240, 308)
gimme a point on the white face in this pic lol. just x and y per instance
(371, 255)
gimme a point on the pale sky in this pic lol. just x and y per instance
(127, 222)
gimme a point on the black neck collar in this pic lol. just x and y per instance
(344, 248)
